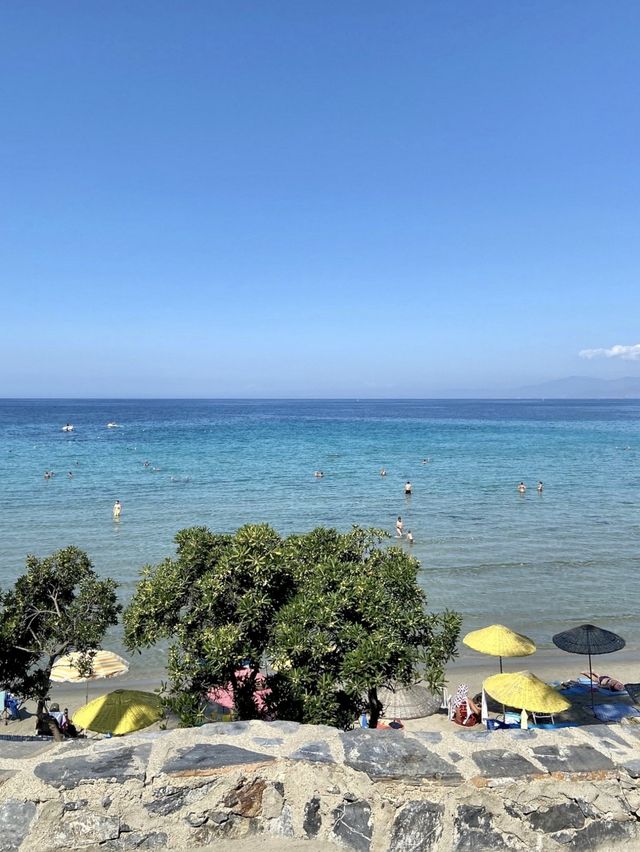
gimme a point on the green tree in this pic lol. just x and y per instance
(337, 615)
(358, 622)
(60, 604)
(217, 602)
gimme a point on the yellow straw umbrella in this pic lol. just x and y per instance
(68, 669)
(119, 712)
(499, 641)
(525, 691)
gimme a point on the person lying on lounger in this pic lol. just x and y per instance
(605, 681)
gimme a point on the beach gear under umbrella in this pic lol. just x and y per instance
(409, 702)
(67, 669)
(119, 712)
(589, 640)
(499, 641)
(526, 692)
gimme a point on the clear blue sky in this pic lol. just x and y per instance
(316, 198)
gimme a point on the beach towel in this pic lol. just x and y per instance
(614, 712)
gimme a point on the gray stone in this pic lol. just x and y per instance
(474, 735)
(572, 758)
(204, 758)
(15, 821)
(284, 727)
(455, 757)
(604, 835)
(315, 752)
(557, 818)
(115, 765)
(85, 828)
(137, 840)
(25, 749)
(195, 820)
(417, 826)
(353, 826)
(282, 825)
(632, 767)
(166, 800)
(495, 763)
(604, 734)
(268, 741)
(312, 818)
(225, 729)
(389, 755)
(77, 805)
(427, 736)
(473, 830)
(272, 801)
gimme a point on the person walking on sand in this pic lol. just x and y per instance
(117, 509)
(407, 489)
(399, 527)
(522, 488)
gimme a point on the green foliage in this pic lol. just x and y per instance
(217, 602)
(357, 622)
(60, 604)
(337, 615)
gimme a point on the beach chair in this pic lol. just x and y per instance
(9, 707)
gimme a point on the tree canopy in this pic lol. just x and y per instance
(60, 604)
(335, 616)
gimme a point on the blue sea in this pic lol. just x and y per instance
(538, 563)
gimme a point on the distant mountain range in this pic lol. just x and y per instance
(582, 387)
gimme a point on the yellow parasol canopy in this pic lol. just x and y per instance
(103, 664)
(499, 641)
(119, 712)
(525, 691)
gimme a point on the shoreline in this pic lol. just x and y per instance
(472, 670)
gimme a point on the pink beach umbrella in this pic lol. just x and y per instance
(224, 695)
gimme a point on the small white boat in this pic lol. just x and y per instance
(68, 428)
(113, 425)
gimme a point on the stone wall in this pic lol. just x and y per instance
(362, 790)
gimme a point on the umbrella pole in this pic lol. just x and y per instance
(593, 708)
(500, 658)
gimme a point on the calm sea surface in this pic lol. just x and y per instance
(538, 563)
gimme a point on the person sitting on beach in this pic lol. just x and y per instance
(605, 681)
(66, 726)
(522, 488)
(399, 527)
(463, 710)
(407, 488)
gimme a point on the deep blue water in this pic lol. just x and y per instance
(538, 563)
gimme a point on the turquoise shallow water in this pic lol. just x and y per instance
(536, 563)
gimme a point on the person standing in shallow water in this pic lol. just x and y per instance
(117, 509)
(407, 489)
(522, 488)
(399, 527)
(540, 487)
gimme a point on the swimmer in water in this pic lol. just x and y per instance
(409, 537)
(522, 488)
(407, 489)
(399, 527)
(70, 474)
(540, 487)
(383, 472)
(117, 509)
(426, 461)
(318, 474)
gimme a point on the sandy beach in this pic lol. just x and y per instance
(548, 665)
